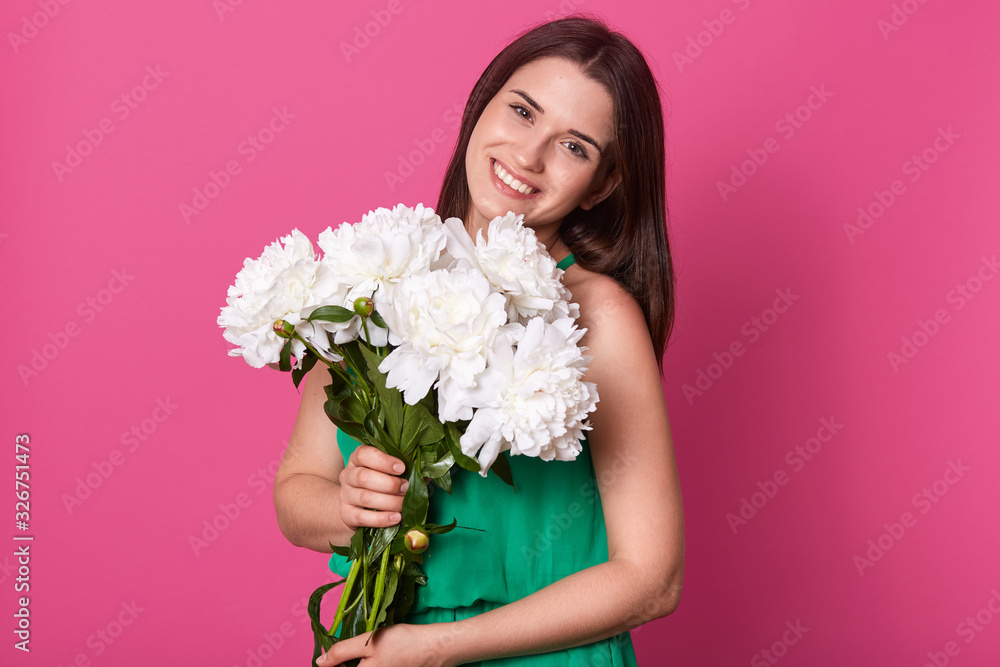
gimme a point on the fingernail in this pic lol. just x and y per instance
(395, 517)
(403, 487)
(399, 467)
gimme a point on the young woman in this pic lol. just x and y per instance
(565, 127)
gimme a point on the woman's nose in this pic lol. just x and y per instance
(529, 153)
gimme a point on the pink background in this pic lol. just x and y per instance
(111, 350)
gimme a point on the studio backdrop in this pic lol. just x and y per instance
(832, 380)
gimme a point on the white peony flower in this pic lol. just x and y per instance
(516, 264)
(286, 282)
(443, 322)
(540, 403)
(372, 256)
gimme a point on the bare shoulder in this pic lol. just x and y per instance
(609, 313)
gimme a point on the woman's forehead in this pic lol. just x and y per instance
(565, 93)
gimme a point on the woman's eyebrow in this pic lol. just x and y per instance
(527, 98)
(537, 107)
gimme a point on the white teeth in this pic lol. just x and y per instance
(510, 180)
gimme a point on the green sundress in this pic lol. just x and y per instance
(551, 527)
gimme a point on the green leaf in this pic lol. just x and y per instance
(357, 543)
(352, 409)
(383, 538)
(380, 439)
(356, 364)
(391, 399)
(285, 360)
(378, 321)
(452, 436)
(435, 529)
(338, 387)
(308, 361)
(353, 429)
(413, 570)
(337, 314)
(502, 468)
(444, 481)
(353, 624)
(437, 468)
(340, 551)
(323, 641)
(420, 428)
(415, 500)
(405, 594)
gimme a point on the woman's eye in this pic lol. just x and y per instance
(576, 149)
(521, 111)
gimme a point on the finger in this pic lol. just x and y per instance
(343, 651)
(369, 457)
(373, 480)
(356, 517)
(361, 496)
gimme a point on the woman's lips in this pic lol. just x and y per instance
(516, 187)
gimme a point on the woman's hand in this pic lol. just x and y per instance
(401, 645)
(371, 491)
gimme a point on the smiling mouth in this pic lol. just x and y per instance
(510, 181)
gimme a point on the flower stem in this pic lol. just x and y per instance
(379, 590)
(364, 326)
(345, 595)
(336, 367)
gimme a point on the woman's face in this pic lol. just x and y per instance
(538, 146)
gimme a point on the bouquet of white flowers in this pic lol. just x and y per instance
(442, 352)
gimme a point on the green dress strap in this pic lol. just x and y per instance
(566, 262)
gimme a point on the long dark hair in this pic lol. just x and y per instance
(624, 236)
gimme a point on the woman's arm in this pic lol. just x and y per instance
(633, 458)
(636, 472)
(317, 500)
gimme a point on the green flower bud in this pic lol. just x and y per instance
(283, 329)
(363, 306)
(417, 540)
